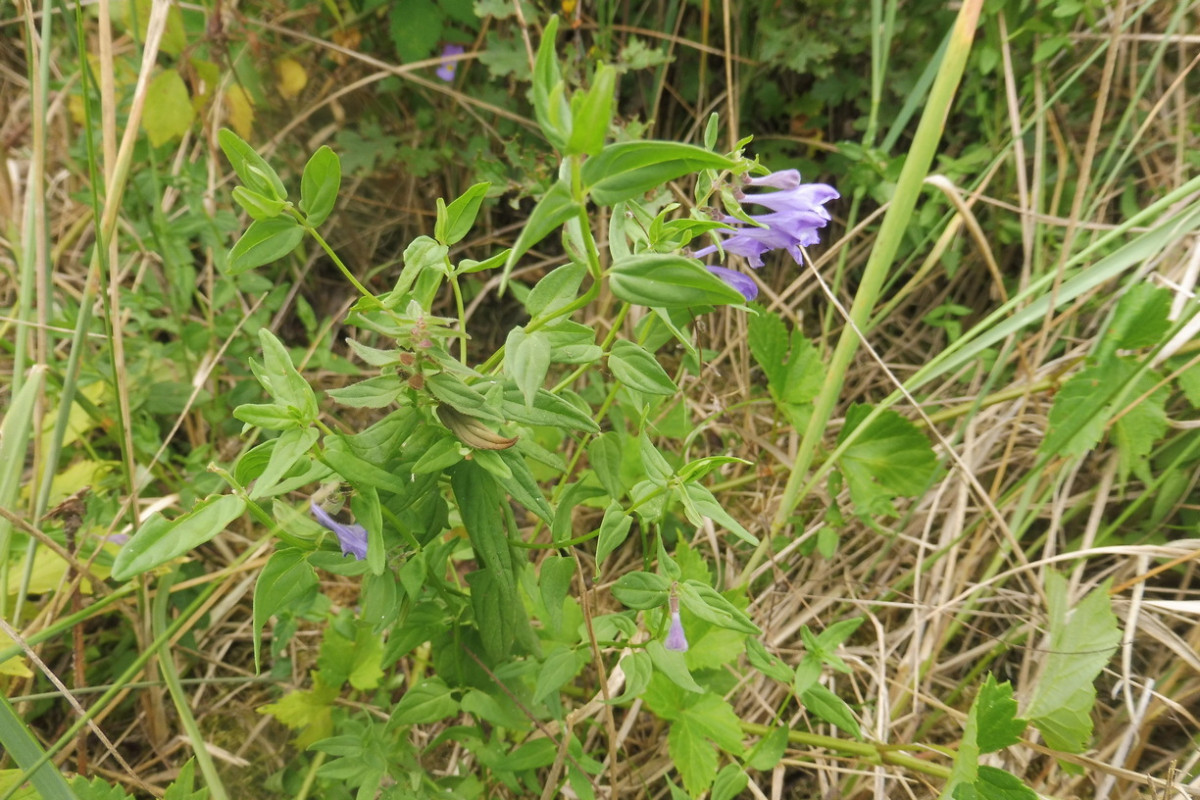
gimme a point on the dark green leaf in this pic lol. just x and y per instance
(625, 170)
(999, 726)
(428, 701)
(668, 281)
(641, 590)
(286, 578)
(266, 240)
(639, 370)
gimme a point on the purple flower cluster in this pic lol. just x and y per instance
(352, 538)
(796, 212)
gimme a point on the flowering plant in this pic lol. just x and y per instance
(517, 452)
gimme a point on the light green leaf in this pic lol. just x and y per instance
(693, 756)
(661, 280)
(527, 360)
(455, 220)
(641, 590)
(672, 664)
(552, 211)
(999, 726)
(252, 170)
(614, 530)
(639, 370)
(168, 111)
(319, 185)
(378, 392)
(1081, 642)
(559, 667)
(890, 458)
(290, 447)
(159, 540)
(428, 701)
(592, 113)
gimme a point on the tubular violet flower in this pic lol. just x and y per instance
(449, 65)
(796, 213)
(352, 538)
(676, 638)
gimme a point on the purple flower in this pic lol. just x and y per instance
(676, 638)
(352, 538)
(449, 64)
(797, 212)
(738, 280)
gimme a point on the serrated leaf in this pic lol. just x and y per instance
(693, 756)
(890, 458)
(1081, 642)
(999, 726)
(1080, 412)
(1140, 319)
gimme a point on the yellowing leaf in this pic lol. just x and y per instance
(205, 76)
(14, 666)
(48, 571)
(290, 77)
(169, 111)
(240, 108)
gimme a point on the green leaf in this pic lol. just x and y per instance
(693, 757)
(552, 211)
(454, 221)
(282, 380)
(792, 365)
(624, 170)
(672, 664)
(549, 410)
(554, 581)
(378, 392)
(252, 170)
(638, 669)
(527, 360)
(767, 663)
(559, 667)
(614, 530)
(168, 111)
(699, 502)
(496, 605)
(319, 185)
(257, 206)
(768, 752)
(831, 708)
(890, 458)
(452, 391)
(428, 701)
(592, 113)
(604, 456)
(999, 726)
(522, 486)
(1080, 411)
(549, 105)
(994, 783)
(159, 540)
(266, 240)
(290, 447)
(1081, 642)
(1141, 426)
(556, 290)
(421, 255)
(286, 578)
(713, 718)
(730, 782)
(445, 451)
(667, 281)
(641, 590)
(639, 370)
(709, 605)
